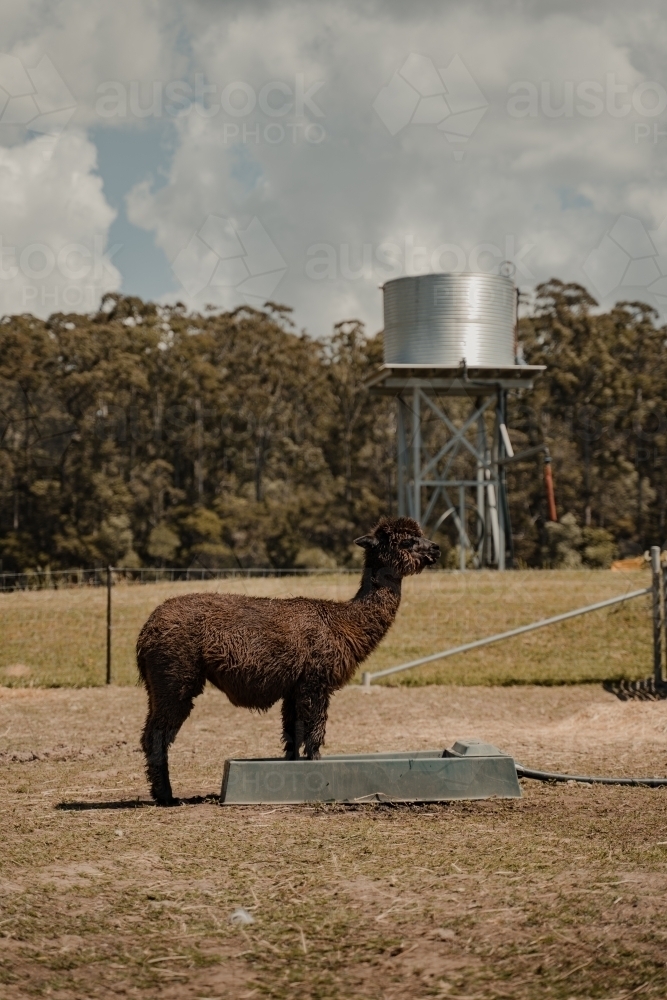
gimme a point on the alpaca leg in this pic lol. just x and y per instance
(312, 708)
(155, 743)
(299, 737)
(293, 729)
(159, 733)
(289, 718)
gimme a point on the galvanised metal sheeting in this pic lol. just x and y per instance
(441, 319)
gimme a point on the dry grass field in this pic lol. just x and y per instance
(57, 638)
(557, 896)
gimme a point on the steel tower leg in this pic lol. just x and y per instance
(481, 505)
(463, 549)
(416, 455)
(496, 454)
(402, 457)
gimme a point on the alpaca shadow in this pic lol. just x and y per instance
(193, 800)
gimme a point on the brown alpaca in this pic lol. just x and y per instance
(258, 649)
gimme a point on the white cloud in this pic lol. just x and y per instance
(343, 200)
(54, 228)
(545, 182)
(92, 43)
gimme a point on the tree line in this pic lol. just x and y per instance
(146, 435)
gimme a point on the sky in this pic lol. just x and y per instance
(221, 154)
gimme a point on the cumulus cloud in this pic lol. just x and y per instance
(90, 44)
(337, 145)
(547, 159)
(55, 222)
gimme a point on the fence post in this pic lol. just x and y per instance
(664, 610)
(109, 578)
(657, 614)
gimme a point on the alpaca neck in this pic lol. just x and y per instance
(378, 584)
(371, 611)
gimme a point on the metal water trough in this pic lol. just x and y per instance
(470, 769)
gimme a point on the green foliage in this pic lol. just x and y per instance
(602, 409)
(314, 558)
(147, 435)
(163, 544)
(599, 547)
(563, 541)
(567, 546)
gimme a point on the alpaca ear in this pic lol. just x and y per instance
(367, 541)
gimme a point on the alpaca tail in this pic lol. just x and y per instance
(141, 662)
(141, 667)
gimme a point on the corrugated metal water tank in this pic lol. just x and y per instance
(440, 319)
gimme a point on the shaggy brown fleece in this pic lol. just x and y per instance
(258, 650)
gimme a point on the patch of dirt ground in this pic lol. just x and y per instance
(558, 895)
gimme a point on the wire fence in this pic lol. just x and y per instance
(52, 579)
(79, 627)
(657, 589)
(59, 579)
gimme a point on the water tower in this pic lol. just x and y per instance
(450, 336)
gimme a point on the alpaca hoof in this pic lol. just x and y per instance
(316, 755)
(162, 798)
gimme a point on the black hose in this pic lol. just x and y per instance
(527, 772)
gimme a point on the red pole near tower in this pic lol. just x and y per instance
(549, 486)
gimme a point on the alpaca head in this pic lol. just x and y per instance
(398, 546)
